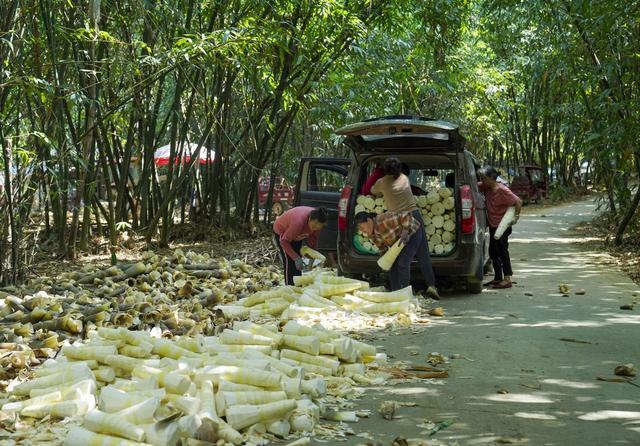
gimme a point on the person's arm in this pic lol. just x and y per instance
(512, 199)
(371, 181)
(291, 234)
(518, 206)
(288, 249)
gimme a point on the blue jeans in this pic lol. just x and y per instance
(417, 246)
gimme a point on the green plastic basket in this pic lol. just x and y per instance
(357, 243)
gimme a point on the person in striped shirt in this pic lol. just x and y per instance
(387, 228)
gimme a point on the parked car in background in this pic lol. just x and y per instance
(529, 184)
(283, 195)
(434, 152)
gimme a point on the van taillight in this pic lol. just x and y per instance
(466, 204)
(343, 207)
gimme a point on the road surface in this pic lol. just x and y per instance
(532, 355)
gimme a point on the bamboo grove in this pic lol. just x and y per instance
(90, 90)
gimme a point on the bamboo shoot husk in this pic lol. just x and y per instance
(79, 436)
(275, 364)
(207, 401)
(257, 364)
(142, 412)
(194, 344)
(364, 349)
(128, 385)
(17, 406)
(328, 290)
(105, 374)
(311, 368)
(57, 367)
(292, 327)
(390, 307)
(235, 337)
(231, 348)
(172, 382)
(321, 361)
(243, 416)
(279, 428)
(112, 424)
(224, 385)
(250, 327)
(505, 222)
(73, 391)
(228, 399)
(85, 352)
(162, 433)
(60, 409)
(385, 297)
(260, 378)
(67, 376)
(312, 253)
(315, 388)
(114, 400)
(306, 344)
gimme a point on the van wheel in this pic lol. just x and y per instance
(474, 287)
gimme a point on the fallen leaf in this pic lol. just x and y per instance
(438, 311)
(577, 341)
(528, 294)
(563, 288)
(502, 391)
(625, 370)
(626, 307)
(387, 409)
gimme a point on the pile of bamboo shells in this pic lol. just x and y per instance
(438, 211)
(130, 387)
(318, 292)
(175, 293)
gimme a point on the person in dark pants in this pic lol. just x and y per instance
(395, 187)
(290, 229)
(384, 230)
(498, 198)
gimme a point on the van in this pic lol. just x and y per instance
(439, 168)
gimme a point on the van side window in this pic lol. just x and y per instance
(326, 178)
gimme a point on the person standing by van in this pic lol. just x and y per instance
(395, 187)
(498, 198)
(290, 229)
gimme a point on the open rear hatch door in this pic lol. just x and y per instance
(401, 132)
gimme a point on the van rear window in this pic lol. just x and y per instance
(438, 136)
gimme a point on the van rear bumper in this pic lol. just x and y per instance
(466, 261)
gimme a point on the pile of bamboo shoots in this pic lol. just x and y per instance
(176, 293)
(130, 387)
(317, 293)
(438, 212)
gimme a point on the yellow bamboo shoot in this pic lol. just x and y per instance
(388, 259)
(172, 382)
(60, 409)
(385, 297)
(142, 412)
(67, 376)
(83, 352)
(243, 416)
(112, 424)
(235, 337)
(228, 399)
(79, 436)
(321, 361)
(306, 344)
(17, 406)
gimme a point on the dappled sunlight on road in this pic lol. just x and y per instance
(610, 414)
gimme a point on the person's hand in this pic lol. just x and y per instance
(404, 238)
(515, 220)
(299, 263)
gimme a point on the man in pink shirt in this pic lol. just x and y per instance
(498, 199)
(290, 229)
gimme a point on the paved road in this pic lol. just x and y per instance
(524, 384)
